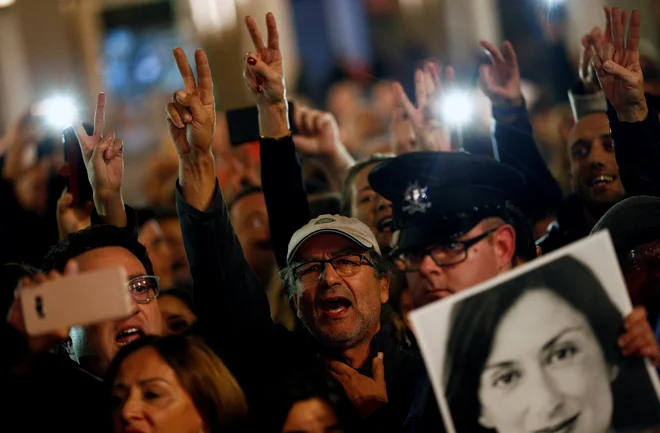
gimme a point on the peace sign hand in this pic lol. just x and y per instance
(103, 155)
(618, 68)
(263, 71)
(191, 114)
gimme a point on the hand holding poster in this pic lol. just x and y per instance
(535, 350)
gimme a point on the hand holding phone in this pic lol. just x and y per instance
(47, 307)
(80, 299)
(17, 321)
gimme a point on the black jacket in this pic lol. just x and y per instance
(637, 149)
(514, 145)
(55, 395)
(233, 313)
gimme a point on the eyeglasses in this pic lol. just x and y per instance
(640, 258)
(345, 266)
(442, 255)
(144, 289)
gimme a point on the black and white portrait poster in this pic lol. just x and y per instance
(535, 350)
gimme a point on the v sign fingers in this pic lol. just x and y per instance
(191, 123)
(263, 73)
(191, 115)
(618, 68)
(88, 143)
(618, 30)
(105, 166)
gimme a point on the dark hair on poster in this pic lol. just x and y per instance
(475, 322)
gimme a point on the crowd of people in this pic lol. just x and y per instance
(271, 279)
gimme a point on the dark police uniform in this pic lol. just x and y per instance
(436, 198)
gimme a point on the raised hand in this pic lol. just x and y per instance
(191, 114)
(104, 160)
(318, 133)
(366, 394)
(22, 134)
(191, 122)
(102, 153)
(72, 218)
(264, 77)
(617, 66)
(500, 81)
(318, 136)
(429, 131)
(16, 319)
(263, 71)
(638, 339)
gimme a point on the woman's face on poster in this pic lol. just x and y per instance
(546, 371)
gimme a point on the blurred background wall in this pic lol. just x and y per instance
(123, 47)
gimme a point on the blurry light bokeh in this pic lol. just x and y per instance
(58, 111)
(212, 16)
(457, 107)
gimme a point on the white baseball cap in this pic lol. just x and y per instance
(350, 228)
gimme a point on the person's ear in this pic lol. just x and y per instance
(384, 284)
(505, 246)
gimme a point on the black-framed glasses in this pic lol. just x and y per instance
(144, 288)
(640, 258)
(346, 266)
(449, 254)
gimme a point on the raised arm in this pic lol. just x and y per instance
(281, 172)
(228, 296)
(512, 131)
(635, 127)
(103, 154)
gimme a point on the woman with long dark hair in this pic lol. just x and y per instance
(540, 353)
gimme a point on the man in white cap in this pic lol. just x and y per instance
(339, 280)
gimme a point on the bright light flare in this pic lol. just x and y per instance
(59, 111)
(457, 108)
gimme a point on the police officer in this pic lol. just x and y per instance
(453, 224)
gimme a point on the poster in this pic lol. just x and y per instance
(535, 349)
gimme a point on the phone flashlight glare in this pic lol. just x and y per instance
(58, 111)
(457, 108)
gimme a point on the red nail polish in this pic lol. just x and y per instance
(260, 80)
(252, 61)
(259, 89)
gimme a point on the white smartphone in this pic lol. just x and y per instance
(83, 299)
